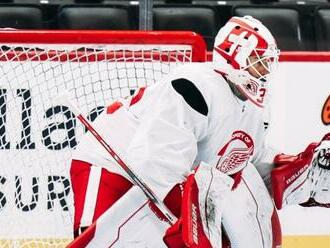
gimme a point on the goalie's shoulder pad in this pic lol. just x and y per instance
(191, 94)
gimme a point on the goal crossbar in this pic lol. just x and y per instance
(82, 37)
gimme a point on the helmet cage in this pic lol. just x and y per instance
(255, 86)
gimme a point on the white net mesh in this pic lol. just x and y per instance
(37, 136)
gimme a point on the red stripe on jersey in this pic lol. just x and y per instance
(138, 96)
(113, 107)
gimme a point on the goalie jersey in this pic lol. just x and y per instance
(165, 130)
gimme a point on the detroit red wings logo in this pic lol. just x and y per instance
(234, 156)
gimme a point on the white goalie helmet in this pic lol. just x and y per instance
(245, 53)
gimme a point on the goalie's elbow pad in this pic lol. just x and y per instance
(289, 176)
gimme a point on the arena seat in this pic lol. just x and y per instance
(178, 1)
(21, 16)
(197, 18)
(283, 22)
(322, 28)
(102, 17)
(88, 1)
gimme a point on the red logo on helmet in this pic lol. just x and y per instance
(241, 33)
(234, 156)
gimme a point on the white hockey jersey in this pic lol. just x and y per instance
(166, 130)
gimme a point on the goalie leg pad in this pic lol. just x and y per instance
(201, 212)
(214, 189)
(248, 216)
(188, 230)
(128, 223)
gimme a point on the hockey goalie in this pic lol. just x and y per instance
(197, 141)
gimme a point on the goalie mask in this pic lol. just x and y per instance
(245, 53)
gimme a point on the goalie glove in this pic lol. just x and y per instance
(303, 179)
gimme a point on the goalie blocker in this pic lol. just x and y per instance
(305, 178)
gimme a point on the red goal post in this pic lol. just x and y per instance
(152, 38)
(37, 136)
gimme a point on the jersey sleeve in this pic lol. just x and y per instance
(263, 160)
(164, 146)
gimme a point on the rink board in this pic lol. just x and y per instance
(288, 242)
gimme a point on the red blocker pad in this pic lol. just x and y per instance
(188, 230)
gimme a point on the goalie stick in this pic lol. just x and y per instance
(169, 217)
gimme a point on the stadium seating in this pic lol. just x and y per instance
(322, 28)
(21, 16)
(95, 17)
(178, 1)
(198, 18)
(88, 1)
(284, 23)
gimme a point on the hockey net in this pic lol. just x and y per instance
(37, 135)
